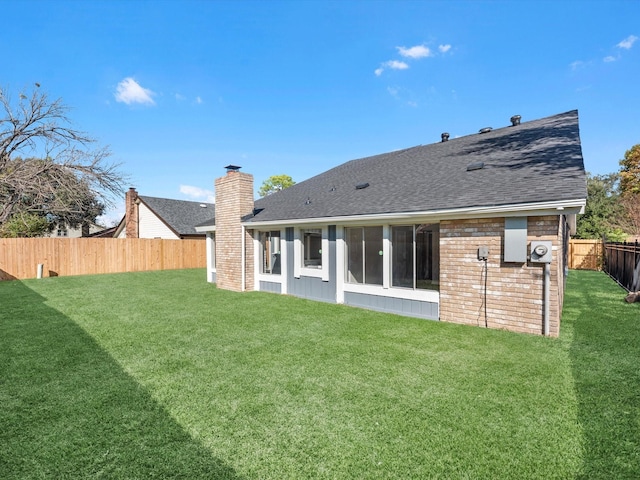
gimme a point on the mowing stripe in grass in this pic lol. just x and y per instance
(272, 386)
(604, 333)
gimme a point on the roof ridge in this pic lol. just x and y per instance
(175, 199)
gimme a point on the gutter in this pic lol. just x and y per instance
(243, 281)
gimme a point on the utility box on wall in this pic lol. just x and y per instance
(515, 239)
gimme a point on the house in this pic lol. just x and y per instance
(152, 217)
(471, 230)
(67, 231)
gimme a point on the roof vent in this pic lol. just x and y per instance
(360, 186)
(475, 166)
(485, 130)
(232, 168)
(515, 120)
(445, 137)
(203, 205)
(308, 201)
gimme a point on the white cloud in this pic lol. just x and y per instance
(393, 65)
(628, 42)
(129, 91)
(396, 65)
(417, 51)
(112, 217)
(414, 53)
(609, 58)
(180, 98)
(198, 193)
(198, 100)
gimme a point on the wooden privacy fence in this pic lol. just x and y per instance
(20, 257)
(622, 263)
(585, 254)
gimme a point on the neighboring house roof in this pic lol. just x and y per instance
(181, 216)
(105, 233)
(536, 161)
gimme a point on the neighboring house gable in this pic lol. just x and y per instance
(445, 231)
(153, 217)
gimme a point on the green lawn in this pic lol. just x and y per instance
(161, 375)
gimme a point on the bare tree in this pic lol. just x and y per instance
(631, 204)
(47, 166)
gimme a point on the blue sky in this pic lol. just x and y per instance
(179, 89)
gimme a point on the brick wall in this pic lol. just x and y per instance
(514, 292)
(131, 214)
(234, 199)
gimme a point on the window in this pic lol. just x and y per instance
(402, 257)
(414, 256)
(312, 248)
(270, 261)
(364, 260)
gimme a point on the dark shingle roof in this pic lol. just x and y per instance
(180, 215)
(536, 161)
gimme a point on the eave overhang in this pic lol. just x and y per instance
(565, 207)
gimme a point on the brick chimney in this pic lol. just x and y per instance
(234, 199)
(131, 214)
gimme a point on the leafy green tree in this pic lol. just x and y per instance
(630, 171)
(275, 183)
(25, 225)
(604, 214)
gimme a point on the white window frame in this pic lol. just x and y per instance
(210, 240)
(258, 276)
(346, 267)
(384, 290)
(299, 270)
(260, 251)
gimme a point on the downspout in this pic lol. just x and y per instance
(547, 281)
(243, 261)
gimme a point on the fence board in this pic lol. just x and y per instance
(585, 254)
(622, 263)
(19, 257)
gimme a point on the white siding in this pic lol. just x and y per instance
(72, 232)
(151, 226)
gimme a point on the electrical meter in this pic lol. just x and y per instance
(541, 252)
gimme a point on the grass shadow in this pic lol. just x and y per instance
(604, 332)
(68, 410)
